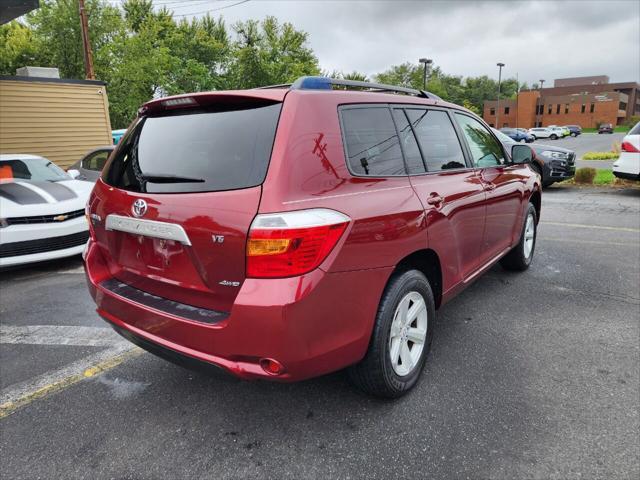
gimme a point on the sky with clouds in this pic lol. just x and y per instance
(535, 39)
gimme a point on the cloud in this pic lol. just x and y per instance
(536, 39)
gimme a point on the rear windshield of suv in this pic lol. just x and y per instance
(635, 130)
(195, 151)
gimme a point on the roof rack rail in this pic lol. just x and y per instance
(267, 87)
(324, 83)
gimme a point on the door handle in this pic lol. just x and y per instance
(435, 200)
(489, 186)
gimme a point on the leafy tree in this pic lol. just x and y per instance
(56, 29)
(405, 75)
(267, 53)
(17, 47)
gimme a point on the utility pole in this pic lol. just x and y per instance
(500, 65)
(517, 98)
(86, 44)
(541, 83)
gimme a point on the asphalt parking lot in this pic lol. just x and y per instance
(588, 142)
(533, 375)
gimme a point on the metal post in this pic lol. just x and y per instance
(500, 65)
(86, 44)
(427, 62)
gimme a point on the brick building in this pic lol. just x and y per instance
(583, 101)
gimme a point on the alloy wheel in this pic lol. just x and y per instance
(408, 333)
(529, 236)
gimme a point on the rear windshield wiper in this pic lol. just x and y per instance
(164, 178)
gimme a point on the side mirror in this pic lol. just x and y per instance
(73, 173)
(521, 154)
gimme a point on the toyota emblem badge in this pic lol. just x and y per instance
(139, 208)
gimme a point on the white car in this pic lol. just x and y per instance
(41, 210)
(628, 165)
(543, 132)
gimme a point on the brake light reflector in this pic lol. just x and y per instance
(292, 243)
(629, 147)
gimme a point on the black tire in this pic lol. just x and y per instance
(516, 259)
(375, 374)
(553, 136)
(547, 183)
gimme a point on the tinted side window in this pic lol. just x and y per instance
(96, 161)
(438, 140)
(485, 150)
(372, 142)
(195, 151)
(409, 145)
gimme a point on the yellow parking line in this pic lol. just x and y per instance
(594, 227)
(9, 407)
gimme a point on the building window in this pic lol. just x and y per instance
(566, 108)
(506, 110)
(492, 111)
(550, 109)
(592, 108)
(622, 106)
(583, 109)
(557, 109)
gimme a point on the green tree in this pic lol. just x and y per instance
(405, 75)
(267, 53)
(17, 47)
(56, 30)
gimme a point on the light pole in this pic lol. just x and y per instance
(427, 62)
(500, 65)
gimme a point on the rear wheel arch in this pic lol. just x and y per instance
(536, 200)
(427, 262)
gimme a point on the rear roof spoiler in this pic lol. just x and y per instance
(325, 83)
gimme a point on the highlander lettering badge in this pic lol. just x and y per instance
(139, 208)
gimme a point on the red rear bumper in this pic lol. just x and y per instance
(312, 324)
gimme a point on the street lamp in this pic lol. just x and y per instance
(500, 65)
(427, 62)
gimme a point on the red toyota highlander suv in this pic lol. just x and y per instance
(292, 231)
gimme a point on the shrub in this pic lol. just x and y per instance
(601, 155)
(633, 119)
(585, 175)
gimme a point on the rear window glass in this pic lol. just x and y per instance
(200, 151)
(635, 130)
(372, 142)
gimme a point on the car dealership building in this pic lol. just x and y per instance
(584, 101)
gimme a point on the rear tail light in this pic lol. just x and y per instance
(629, 147)
(292, 243)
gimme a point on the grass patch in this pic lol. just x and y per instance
(601, 156)
(604, 177)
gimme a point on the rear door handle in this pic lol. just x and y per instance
(489, 186)
(435, 200)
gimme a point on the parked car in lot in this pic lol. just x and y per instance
(574, 130)
(628, 165)
(90, 166)
(311, 228)
(557, 132)
(116, 135)
(554, 164)
(564, 131)
(543, 132)
(41, 209)
(518, 135)
(605, 128)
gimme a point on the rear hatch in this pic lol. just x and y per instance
(173, 207)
